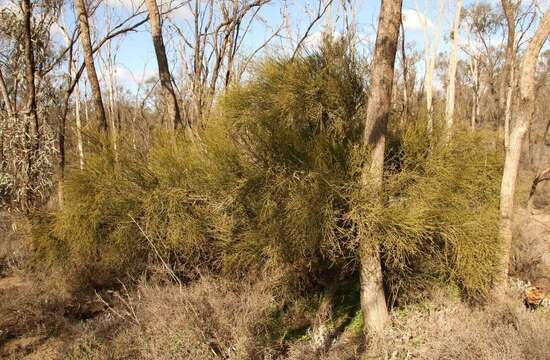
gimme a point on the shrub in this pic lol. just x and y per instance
(273, 183)
(439, 221)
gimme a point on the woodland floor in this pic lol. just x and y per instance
(36, 323)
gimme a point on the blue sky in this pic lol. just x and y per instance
(136, 49)
(135, 54)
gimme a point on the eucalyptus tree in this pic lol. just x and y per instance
(373, 300)
(522, 123)
(169, 94)
(453, 60)
(85, 36)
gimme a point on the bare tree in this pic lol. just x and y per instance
(525, 112)
(510, 10)
(474, 69)
(518, 24)
(84, 25)
(450, 103)
(72, 85)
(31, 107)
(430, 52)
(72, 74)
(108, 58)
(373, 300)
(210, 43)
(169, 94)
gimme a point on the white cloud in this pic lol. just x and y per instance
(125, 76)
(314, 40)
(415, 21)
(178, 9)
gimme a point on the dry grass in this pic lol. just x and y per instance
(12, 249)
(531, 248)
(216, 319)
(452, 330)
(211, 319)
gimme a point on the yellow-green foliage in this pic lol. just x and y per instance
(295, 125)
(273, 182)
(438, 223)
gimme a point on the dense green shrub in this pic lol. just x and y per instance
(273, 183)
(439, 222)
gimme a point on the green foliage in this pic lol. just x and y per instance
(438, 223)
(273, 183)
(296, 124)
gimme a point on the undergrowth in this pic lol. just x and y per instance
(272, 184)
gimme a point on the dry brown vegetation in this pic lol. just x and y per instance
(217, 319)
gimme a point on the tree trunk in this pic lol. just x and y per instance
(513, 155)
(508, 107)
(507, 85)
(78, 121)
(90, 66)
(5, 95)
(162, 62)
(373, 301)
(405, 77)
(430, 52)
(475, 101)
(111, 86)
(33, 126)
(450, 104)
(77, 101)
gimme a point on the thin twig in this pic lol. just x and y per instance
(168, 268)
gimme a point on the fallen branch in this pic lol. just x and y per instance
(544, 175)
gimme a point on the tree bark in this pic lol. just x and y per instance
(525, 112)
(33, 126)
(450, 104)
(5, 95)
(77, 100)
(169, 95)
(508, 105)
(474, 65)
(430, 52)
(405, 70)
(373, 301)
(507, 85)
(90, 66)
(78, 120)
